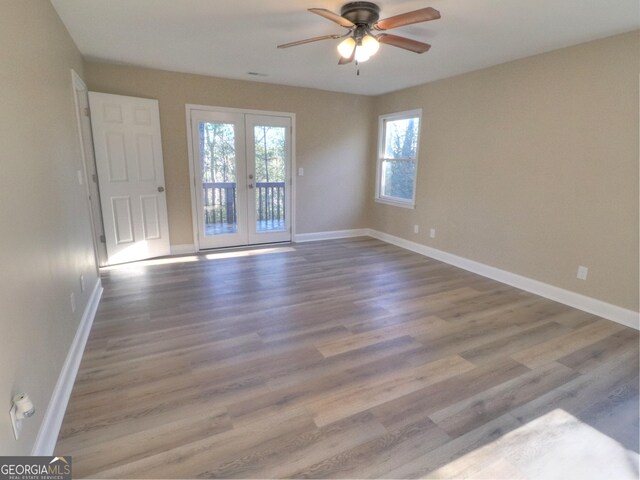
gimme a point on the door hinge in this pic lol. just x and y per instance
(94, 177)
(87, 112)
(103, 239)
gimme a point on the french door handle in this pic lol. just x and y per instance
(161, 189)
(250, 185)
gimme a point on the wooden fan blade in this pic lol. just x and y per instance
(334, 17)
(403, 42)
(309, 40)
(417, 16)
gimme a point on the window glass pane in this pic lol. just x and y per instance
(401, 138)
(218, 163)
(270, 166)
(397, 179)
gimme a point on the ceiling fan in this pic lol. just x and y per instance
(362, 40)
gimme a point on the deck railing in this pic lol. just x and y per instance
(270, 202)
(220, 205)
(219, 202)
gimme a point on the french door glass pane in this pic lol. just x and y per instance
(218, 161)
(270, 157)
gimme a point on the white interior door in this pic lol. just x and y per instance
(241, 177)
(128, 150)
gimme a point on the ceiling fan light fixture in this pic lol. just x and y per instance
(361, 19)
(370, 45)
(361, 54)
(345, 47)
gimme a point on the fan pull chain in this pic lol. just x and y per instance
(357, 69)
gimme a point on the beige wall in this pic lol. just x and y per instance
(46, 240)
(332, 139)
(532, 167)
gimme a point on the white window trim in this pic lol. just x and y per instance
(382, 119)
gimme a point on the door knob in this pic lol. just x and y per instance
(161, 189)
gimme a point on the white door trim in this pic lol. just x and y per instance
(191, 155)
(97, 230)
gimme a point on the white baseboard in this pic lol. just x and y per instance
(183, 249)
(52, 420)
(572, 299)
(315, 236)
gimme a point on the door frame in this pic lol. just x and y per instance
(86, 145)
(192, 158)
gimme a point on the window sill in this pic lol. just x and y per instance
(396, 203)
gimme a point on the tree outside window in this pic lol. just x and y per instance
(218, 152)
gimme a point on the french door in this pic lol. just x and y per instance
(242, 178)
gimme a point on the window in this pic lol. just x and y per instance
(398, 138)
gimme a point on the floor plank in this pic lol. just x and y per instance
(345, 359)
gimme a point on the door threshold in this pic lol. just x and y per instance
(243, 247)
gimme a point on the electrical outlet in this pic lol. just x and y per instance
(73, 302)
(432, 233)
(82, 283)
(582, 272)
(416, 229)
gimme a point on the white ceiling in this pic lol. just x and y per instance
(229, 38)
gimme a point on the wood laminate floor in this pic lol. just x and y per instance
(346, 358)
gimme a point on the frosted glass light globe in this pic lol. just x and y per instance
(361, 54)
(370, 45)
(345, 47)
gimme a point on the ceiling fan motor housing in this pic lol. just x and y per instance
(361, 13)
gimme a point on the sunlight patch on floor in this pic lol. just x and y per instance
(154, 261)
(554, 446)
(198, 258)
